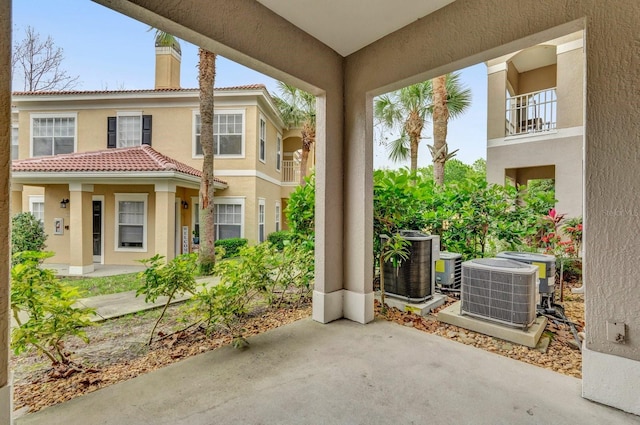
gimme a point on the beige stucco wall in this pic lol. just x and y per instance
(570, 88)
(537, 79)
(565, 154)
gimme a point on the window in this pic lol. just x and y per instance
(128, 129)
(263, 140)
(195, 201)
(229, 217)
(14, 143)
(279, 152)
(278, 216)
(53, 135)
(131, 222)
(228, 134)
(36, 207)
(260, 220)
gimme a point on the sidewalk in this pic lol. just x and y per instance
(123, 303)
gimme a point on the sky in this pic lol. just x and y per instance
(110, 51)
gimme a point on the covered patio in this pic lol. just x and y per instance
(345, 53)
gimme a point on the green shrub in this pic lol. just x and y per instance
(231, 246)
(27, 234)
(278, 238)
(48, 305)
(300, 211)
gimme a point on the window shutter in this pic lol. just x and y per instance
(146, 130)
(111, 132)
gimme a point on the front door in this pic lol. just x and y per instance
(97, 231)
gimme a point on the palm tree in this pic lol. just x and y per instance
(450, 100)
(298, 110)
(409, 108)
(206, 80)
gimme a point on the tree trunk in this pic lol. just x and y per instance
(308, 139)
(413, 126)
(440, 121)
(206, 79)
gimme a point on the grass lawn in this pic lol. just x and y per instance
(92, 286)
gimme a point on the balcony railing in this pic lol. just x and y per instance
(290, 171)
(532, 112)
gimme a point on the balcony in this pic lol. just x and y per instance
(531, 112)
(290, 171)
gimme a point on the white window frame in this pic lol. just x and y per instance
(120, 114)
(262, 213)
(279, 152)
(262, 139)
(33, 116)
(194, 134)
(278, 214)
(233, 200)
(195, 215)
(15, 142)
(37, 199)
(134, 197)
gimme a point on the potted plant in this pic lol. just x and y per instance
(196, 237)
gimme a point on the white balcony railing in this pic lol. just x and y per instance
(532, 112)
(290, 171)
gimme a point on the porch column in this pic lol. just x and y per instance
(80, 229)
(165, 219)
(6, 393)
(496, 101)
(16, 199)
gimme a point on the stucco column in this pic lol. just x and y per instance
(80, 229)
(6, 394)
(16, 199)
(496, 101)
(358, 201)
(165, 220)
(328, 291)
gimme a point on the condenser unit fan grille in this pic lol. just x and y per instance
(498, 295)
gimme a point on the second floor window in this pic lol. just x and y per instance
(228, 133)
(15, 153)
(263, 140)
(53, 135)
(129, 130)
(279, 153)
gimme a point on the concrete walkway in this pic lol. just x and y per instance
(123, 303)
(340, 373)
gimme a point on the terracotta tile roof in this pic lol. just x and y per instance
(136, 159)
(139, 91)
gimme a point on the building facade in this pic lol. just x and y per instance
(535, 118)
(114, 175)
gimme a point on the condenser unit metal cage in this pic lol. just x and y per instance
(499, 290)
(414, 280)
(546, 267)
(449, 272)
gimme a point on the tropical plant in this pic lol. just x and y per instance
(49, 307)
(167, 279)
(27, 234)
(408, 109)
(206, 81)
(278, 239)
(394, 250)
(300, 208)
(298, 110)
(450, 100)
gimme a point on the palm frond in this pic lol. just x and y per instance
(399, 149)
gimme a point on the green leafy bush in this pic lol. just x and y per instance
(231, 246)
(300, 210)
(27, 234)
(167, 279)
(48, 305)
(262, 271)
(278, 238)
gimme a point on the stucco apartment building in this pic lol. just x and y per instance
(115, 175)
(535, 118)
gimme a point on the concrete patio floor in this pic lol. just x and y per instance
(341, 373)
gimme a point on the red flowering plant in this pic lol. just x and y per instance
(573, 229)
(548, 235)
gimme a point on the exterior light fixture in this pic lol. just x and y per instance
(63, 203)
(185, 205)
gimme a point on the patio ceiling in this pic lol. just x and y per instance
(349, 25)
